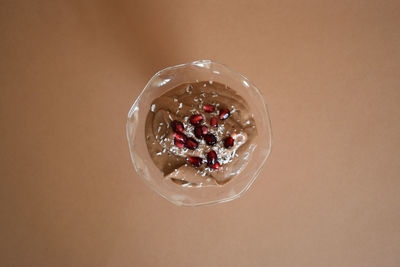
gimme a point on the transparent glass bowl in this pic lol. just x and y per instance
(169, 78)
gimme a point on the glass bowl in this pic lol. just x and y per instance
(169, 78)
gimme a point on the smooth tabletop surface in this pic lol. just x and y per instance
(328, 196)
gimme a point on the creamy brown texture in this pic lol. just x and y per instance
(179, 104)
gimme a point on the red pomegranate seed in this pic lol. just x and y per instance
(208, 108)
(228, 142)
(180, 136)
(211, 157)
(178, 143)
(177, 126)
(191, 143)
(214, 122)
(215, 166)
(200, 130)
(196, 119)
(196, 161)
(210, 139)
(224, 114)
(204, 129)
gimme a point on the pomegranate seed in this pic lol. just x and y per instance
(196, 119)
(180, 137)
(199, 131)
(228, 142)
(215, 166)
(196, 161)
(191, 143)
(211, 157)
(204, 129)
(177, 126)
(214, 122)
(208, 108)
(210, 139)
(224, 114)
(178, 143)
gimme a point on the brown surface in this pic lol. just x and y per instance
(329, 195)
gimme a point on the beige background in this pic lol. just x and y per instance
(328, 196)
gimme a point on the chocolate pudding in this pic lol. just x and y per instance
(200, 134)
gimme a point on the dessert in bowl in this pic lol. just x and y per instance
(199, 133)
